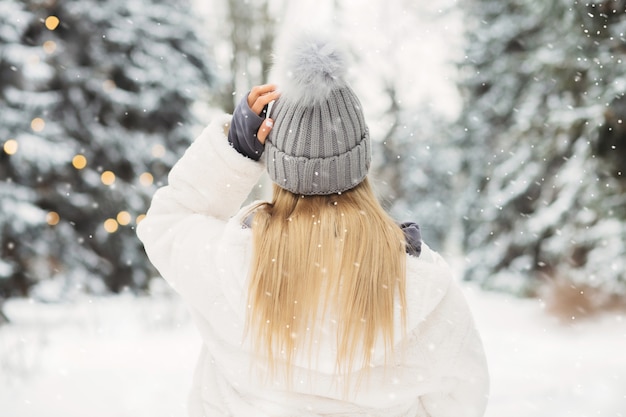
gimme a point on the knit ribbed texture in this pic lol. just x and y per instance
(318, 149)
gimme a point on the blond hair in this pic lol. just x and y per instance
(337, 257)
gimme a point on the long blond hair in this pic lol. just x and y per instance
(338, 257)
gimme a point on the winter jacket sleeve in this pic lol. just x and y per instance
(186, 219)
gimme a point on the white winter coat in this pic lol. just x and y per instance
(193, 234)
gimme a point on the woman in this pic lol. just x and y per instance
(308, 305)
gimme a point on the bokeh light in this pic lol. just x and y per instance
(158, 151)
(53, 218)
(146, 179)
(140, 218)
(33, 59)
(52, 22)
(110, 225)
(123, 218)
(107, 177)
(37, 124)
(79, 161)
(10, 146)
(49, 47)
(108, 85)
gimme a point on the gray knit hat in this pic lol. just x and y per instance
(319, 143)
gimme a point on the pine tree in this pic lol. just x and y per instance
(94, 109)
(544, 144)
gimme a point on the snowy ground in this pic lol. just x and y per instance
(124, 356)
(541, 367)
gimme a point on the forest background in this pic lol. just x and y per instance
(497, 125)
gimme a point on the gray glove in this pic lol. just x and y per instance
(413, 237)
(243, 129)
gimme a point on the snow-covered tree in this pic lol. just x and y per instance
(95, 104)
(415, 170)
(544, 144)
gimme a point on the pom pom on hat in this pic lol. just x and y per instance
(314, 66)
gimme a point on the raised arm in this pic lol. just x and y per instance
(187, 217)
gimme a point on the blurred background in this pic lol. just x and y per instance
(497, 125)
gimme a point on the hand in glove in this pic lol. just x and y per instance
(413, 237)
(248, 128)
